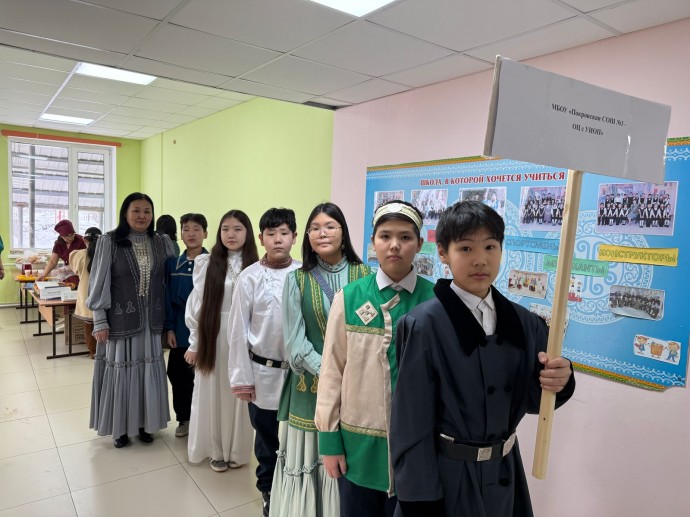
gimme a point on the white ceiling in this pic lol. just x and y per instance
(210, 55)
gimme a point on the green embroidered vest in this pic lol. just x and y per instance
(298, 398)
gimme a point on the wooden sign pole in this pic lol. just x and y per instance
(558, 314)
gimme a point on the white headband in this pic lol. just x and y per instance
(398, 208)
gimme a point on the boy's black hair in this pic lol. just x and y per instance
(465, 218)
(194, 218)
(396, 216)
(274, 217)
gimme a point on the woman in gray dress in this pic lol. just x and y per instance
(126, 295)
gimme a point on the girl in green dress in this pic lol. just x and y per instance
(300, 485)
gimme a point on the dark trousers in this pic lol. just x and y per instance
(358, 501)
(181, 377)
(265, 423)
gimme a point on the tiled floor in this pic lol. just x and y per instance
(52, 464)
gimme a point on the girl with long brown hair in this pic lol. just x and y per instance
(219, 426)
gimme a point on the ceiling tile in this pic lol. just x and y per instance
(305, 76)
(368, 91)
(633, 16)
(57, 48)
(559, 36)
(107, 124)
(442, 69)
(462, 25)
(176, 96)
(125, 111)
(181, 86)
(32, 73)
(91, 96)
(28, 98)
(149, 66)
(218, 103)
(104, 132)
(178, 118)
(196, 111)
(155, 129)
(590, 5)
(142, 135)
(290, 24)
(157, 9)
(224, 94)
(25, 57)
(28, 86)
(264, 90)
(369, 49)
(62, 102)
(76, 22)
(96, 84)
(148, 104)
(201, 51)
(329, 102)
(21, 108)
(134, 121)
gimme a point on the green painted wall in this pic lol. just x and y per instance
(253, 156)
(151, 167)
(128, 177)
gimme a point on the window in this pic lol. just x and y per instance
(52, 181)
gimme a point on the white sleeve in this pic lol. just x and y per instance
(193, 308)
(239, 364)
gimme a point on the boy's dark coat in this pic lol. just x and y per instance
(455, 380)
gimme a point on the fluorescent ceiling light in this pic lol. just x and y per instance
(115, 74)
(67, 120)
(354, 7)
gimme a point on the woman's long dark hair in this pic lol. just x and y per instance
(91, 236)
(309, 255)
(121, 233)
(214, 290)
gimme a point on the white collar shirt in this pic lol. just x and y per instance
(408, 283)
(486, 316)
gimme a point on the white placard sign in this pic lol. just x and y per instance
(541, 117)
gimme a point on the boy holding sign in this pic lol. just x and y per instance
(471, 365)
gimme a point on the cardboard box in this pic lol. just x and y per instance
(77, 332)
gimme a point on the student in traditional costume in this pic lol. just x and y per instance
(219, 427)
(471, 364)
(257, 362)
(301, 486)
(127, 297)
(179, 285)
(359, 369)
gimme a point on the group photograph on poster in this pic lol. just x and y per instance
(641, 208)
(629, 294)
(527, 283)
(541, 207)
(386, 196)
(635, 302)
(430, 203)
(494, 197)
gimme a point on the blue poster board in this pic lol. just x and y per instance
(627, 321)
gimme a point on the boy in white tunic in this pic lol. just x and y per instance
(257, 361)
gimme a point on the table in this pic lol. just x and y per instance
(46, 309)
(24, 298)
